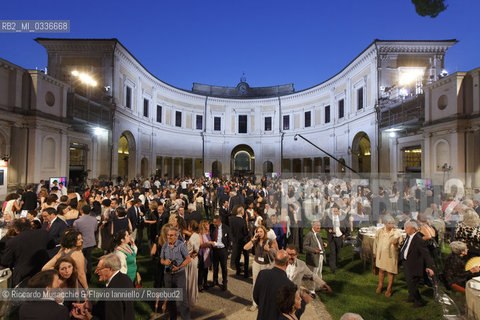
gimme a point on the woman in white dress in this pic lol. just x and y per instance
(193, 246)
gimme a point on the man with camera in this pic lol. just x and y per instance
(175, 257)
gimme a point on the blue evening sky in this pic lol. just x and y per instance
(273, 42)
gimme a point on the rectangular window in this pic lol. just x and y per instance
(327, 114)
(286, 122)
(128, 98)
(159, 114)
(217, 123)
(308, 119)
(341, 108)
(199, 122)
(145, 108)
(360, 98)
(178, 118)
(242, 124)
(268, 123)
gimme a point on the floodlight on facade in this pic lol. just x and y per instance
(84, 78)
(410, 76)
(99, 131)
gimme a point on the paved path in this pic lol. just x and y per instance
(233, 304)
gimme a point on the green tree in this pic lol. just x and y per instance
(429, 7)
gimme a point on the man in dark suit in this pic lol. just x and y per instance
(55, 227)
(224, 213)
(269, 281)
(26, 253)
(236, 199)
(108, 271)
(135, 215)
(220, 235)
(45, 308)
(193, 214)
(337, 229)
(416, 260)
(240, 236)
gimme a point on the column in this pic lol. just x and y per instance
(193, 167)
(182, 167)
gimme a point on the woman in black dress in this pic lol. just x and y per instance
(121, 222)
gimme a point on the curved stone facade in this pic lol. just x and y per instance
(171, 131)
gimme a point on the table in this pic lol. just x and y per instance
(473, 299)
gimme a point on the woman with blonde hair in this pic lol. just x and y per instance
(205, 254)
(264, 254)
(160, 268)
(43, 195)
(385, 253)
(193, 246)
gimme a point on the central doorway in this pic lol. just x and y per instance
(242, 161)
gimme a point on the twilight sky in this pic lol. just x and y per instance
(273, 42)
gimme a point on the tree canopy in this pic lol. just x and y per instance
(429, 8)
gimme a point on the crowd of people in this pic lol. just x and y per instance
(194, 225)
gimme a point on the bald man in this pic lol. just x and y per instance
(268, 283)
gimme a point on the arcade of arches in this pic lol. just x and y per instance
(242, 162)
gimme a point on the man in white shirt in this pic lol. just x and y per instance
(297, 270)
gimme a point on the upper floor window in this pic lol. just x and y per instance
(308, 119)
(178, 118)
(199, 122)
(145, 108)
(159, 114)
(217, 123)
(268, 123)
(360, 98)
(327, 114)
(286, 122)
(242, 124)
(128, 97)
(341, 108)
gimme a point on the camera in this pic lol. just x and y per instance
(168, 269)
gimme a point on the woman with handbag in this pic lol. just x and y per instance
(264, 254)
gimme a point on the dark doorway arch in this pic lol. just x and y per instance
(242, 161)
(126, 156)
(361, 152)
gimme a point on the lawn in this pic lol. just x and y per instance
(354, 291)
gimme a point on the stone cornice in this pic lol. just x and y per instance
(80, 45)
(419, 47)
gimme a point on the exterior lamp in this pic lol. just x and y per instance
(84, 78)
(99, 131)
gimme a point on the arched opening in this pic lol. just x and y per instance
(267, 168)
(361, 152)
(126, 156)
(144, 168)
(242, 161)
(216, 169)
